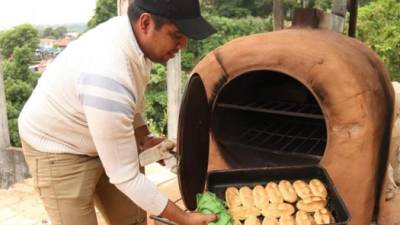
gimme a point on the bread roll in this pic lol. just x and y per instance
(273, 193)
(246, 196)
(232, 197)
(286, 220)
(270, 221)
(278, 210)
(287, 191)
(260, 197)
(323, 216)
(303, 218)
(242, 213)
(311, 204)
(252, 220)
(302, 189)
(318, 188)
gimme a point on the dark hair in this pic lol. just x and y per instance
(134, 13)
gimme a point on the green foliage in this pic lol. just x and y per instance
(18, 66)
(379, 27)
(241, 8)
(320, 4)
(58, 32)
(364, 2)
(228, 29)
(105, 9)
(21, 35)
(258, 8)
(156, 101)
(19, 81)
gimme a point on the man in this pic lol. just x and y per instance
(81, 126)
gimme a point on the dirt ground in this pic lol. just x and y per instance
(20, 204)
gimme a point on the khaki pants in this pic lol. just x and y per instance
(71, 185)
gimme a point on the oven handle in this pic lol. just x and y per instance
(162, 220)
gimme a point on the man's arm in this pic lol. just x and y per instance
(110, 116)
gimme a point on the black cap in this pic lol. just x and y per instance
(185, 14)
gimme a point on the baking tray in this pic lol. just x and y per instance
(219, 180)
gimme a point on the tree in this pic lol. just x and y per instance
(19, 81)
(156, 100)
(58, 32)
(379, 27)
(104, 10)
(48, 32)
(21, 35)
(228, 29)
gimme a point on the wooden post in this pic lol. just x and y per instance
(353, 9)
(6, 166)
(123, 7)
(174, 96)
(305, 3)
(4, 133)
(278, 14)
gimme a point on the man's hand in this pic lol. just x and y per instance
(151, 141)
(177, 215)
(198, 219)
(145, 139)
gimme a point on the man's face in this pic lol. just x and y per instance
(161, 44)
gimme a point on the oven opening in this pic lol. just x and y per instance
(266, 118)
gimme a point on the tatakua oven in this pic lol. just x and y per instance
(296, 97)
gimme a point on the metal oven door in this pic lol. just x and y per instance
(193, 141)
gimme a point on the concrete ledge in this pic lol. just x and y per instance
(13, 167)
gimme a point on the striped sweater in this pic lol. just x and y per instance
(88, 102)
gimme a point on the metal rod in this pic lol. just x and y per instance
(162, 220)
(279, 135)
(272, 111)
(258, 133)
(283, 136)
(294, 137)
(304, 141)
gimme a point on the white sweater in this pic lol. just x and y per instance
(87, 102)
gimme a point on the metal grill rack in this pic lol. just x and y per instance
(281, 128)
(279, 107)
(284, 138)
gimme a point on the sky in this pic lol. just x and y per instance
(44, 12)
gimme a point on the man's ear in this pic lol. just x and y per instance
(145, 21)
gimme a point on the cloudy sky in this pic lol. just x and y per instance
(38, 12)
